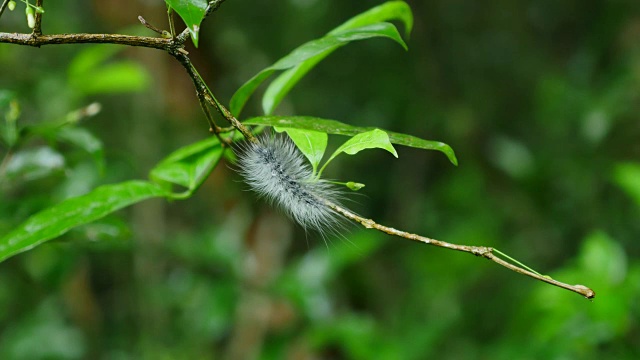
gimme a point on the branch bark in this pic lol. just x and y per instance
(128, 40)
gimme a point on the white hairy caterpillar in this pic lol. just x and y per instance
(275, 169)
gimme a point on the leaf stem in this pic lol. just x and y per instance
(516, 261)
(172, 27)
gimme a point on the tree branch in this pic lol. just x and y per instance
(175, 47)
(483, 251)
(128, 40)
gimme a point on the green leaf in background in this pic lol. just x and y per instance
(85, 140)
(60, 218)
(34, 163)
(192, 13)
(374, 139)
(90, 74)
(309, 50)
(340, 128)
(189, 166)
(280, 87)
(627, 176)
(311, 143)
(603, 258)
(6, 97)
(9, 114)
(306, 278)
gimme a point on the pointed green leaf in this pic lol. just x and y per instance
(340, 128)
(280, 87)
(189, 166)
(311, 143)
(308, 51)
(192, 13)
(391, 10)
(60, 218)
(368, 140)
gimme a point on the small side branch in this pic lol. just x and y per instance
(3, 6)
(483, 251)
(37, 29)
(212, 6)
(203, 92)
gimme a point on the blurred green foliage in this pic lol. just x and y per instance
(538, 98)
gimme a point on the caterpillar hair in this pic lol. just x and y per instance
(276, 170)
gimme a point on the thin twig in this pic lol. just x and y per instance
(212, 6)
(149, 25)
(172, 27)
(213, 127)
(3, 6)
(203, 90)
(483, 251)
(37, 30)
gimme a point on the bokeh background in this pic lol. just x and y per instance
(539, 99)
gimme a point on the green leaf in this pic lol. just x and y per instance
(340, 128)
(603, 258)
(192, 13)
(627, 176)
(88, 74)
(368, 140)
(391, 10)
(121, 77)
(6, 97)
(189, 166)
(311, 143)
(58, 219)
(320, 47)
(34, 163)
(85, 140)
(280, 87)
(9, 114)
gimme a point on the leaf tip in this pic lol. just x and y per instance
(195, 30)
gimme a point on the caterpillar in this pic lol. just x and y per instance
(276, 170)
